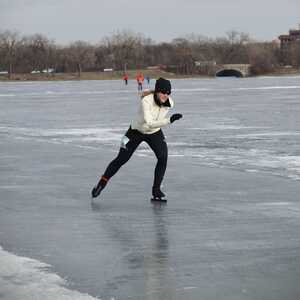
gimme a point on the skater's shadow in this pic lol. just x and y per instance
(144, 252)
(95, 205)
(157, 265)
(160, 229)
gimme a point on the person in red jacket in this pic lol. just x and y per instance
(125, 78)
(140, 80)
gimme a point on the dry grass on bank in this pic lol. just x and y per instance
(114, 75)
(117, 75)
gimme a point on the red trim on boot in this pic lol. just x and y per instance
(104, 178)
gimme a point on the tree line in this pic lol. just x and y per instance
(126, 50)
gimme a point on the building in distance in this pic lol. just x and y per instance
(287, 40)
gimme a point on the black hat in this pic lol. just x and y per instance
(163, 85)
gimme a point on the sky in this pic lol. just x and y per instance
(67, 21)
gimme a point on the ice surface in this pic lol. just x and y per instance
(230, 229)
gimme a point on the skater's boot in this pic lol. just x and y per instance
(157, 193)
(99, 187)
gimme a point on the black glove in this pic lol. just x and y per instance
(175, 117)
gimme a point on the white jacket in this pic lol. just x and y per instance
(151, 117)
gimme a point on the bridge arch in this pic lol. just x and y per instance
(229, 73)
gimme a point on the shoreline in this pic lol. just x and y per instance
(117, 75)
(113, 75)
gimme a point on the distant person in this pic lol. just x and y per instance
(148, 80)
(140, 80)
(125, 78)
(152, 115)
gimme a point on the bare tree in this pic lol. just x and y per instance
(81, 55)
(236, 47)
(184, 57)
(39, 52)
(125, 48)
(262, 57)
(164, 54)
(9, 41)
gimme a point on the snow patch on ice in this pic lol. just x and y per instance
(25, 278)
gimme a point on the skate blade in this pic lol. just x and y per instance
(157, 199)
(95, 194)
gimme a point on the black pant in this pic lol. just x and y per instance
(157, 143)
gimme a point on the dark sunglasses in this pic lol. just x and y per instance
(166, 92)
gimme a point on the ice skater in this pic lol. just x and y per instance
(152, 115)
(140, 80)
(125, 78)
(148, 80)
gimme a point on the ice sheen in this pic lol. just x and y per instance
(247, 124)
(25, 278)
(54, 92)
(227, 153)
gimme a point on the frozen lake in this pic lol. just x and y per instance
(249, 124)
(229, 231)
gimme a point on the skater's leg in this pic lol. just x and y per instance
(159, 146)
(129, 143)
(121, 159)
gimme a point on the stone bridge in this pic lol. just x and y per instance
(233, 70)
